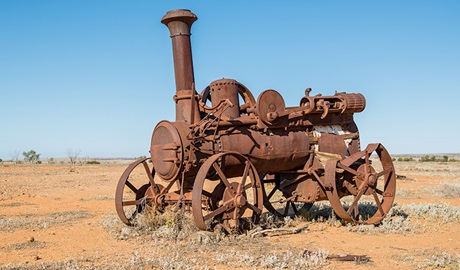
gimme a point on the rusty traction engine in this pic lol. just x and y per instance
(228, 155)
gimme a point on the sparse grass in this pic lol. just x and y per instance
(188, 248)
(440, 260)
(40, 221)
(192, 257)
(15, 204)
(439, 212)
(433, 258)
(399, 219)
(169, 225)
(102, 197)
(25, 245)
(391, 224)
(448, 190)
(407, 193)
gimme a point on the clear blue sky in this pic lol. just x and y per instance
(98, 75)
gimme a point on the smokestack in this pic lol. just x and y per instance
(179, 23)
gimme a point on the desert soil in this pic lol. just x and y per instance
(54, 218)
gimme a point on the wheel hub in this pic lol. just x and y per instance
(240, 200)
(367, 177)
(371, 179)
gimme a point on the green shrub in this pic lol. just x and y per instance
(435, 159)
(93, 162)
(405, 159)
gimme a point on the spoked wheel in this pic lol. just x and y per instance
(373, 187)
(277, 202)
(136, 189)
(224, 198)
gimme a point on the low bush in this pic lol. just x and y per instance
(404, 159)
(93, 162)
(435, 159)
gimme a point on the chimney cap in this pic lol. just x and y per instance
(183, 15)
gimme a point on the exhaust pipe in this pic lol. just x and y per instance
(179, 23)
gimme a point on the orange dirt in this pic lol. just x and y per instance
(64, 212)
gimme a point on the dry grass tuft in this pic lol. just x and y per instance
(434, 258)
(399, 219)
(168, 224)
(439, 212)
(448, 190)
(194, 249)
(41, 221)
(103, 197)
(25, 245)
(15, 204)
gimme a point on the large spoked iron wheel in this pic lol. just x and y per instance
(372, 186)
(218, 198)
(275, 200)
(136, 189)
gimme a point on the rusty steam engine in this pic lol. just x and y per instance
(229, 155)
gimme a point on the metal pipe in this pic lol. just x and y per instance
(179, 23)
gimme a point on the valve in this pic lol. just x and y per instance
(324, 105)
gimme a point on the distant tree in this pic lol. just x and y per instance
(32, 157)
(15, 158)
(51, 161)
(73, 156)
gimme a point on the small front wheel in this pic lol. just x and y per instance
(136, 189)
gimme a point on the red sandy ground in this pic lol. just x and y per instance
(51, 189)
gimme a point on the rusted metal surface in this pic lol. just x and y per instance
(228, 154)
(179, 23)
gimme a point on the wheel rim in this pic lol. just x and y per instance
(275, 201)
(134, 191)
(227, 200)
(373, 189)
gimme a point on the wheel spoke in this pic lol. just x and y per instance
(254, 208)
(207, 193)
(294, 208)
(379, 206)
(386, 180)
(219, 210)
(379, 191)
(243, 178)
(271, 193)
(356, 211)
(247, 187)
(355, 201)
(385, 172)
(366, 158)
(269, 181)
(348, 169)
(136, 202)
(286, 209)
(221, 175)
(134, 189)
(149, 173)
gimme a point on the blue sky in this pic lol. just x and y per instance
(98, 75)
